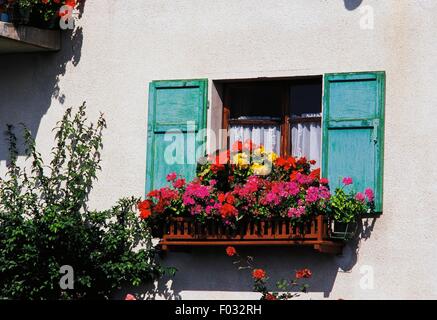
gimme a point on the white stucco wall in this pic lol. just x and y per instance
(121, 45)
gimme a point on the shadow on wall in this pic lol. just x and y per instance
(30, 82)
(210, 269)
(352, 4)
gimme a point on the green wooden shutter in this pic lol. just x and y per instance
(173, 104)
(353, 130)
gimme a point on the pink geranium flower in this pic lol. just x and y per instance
(360, 197)
(179, 183)
(312, 195)
(130, 297)
(369, 194)
(172, 176)
(324, 181)
(347, 181)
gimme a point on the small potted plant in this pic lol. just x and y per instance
(346, 208)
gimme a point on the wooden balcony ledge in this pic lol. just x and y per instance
(184, 232)
(17, 39)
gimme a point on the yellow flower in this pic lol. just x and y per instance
(241, 160)
(260, 169)
(272, 156)
(259, 151)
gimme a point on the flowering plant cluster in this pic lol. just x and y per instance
(347, 206)
(39, 13)
(245, 183)
(287, 288)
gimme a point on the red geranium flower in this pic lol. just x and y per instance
(145, 208)
(71, 3)
(270, 296)
(293, 175)
(258, 274)
(302, 160)
(303, 273)
(179, 183)
(230, 199)
(324, 181)
(286, 163)
(315, 173)
(217, 167)
(230, 251)
(221, 197)
(228, 210)
(171, 176)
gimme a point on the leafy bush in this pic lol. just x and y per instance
(45, 222)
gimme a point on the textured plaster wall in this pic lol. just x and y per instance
(121, 45)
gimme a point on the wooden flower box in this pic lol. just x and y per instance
(187, 232)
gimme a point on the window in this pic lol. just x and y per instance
(283, 115)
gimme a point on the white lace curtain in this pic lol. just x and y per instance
(306, 140)
(269, 136)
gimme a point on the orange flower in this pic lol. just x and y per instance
(303, 273)
(230, 251)
(286, 163)
(145, 209)
(315, 173)
(258, 274)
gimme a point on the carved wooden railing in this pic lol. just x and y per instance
(187, 232)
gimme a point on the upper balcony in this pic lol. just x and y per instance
(21, 38)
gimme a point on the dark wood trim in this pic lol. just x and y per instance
(226, 114)
(305, 119)
(248, 122)
(188, 232)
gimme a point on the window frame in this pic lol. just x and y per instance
(286, 120)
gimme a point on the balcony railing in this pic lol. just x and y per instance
(181, 232)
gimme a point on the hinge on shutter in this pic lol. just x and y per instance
(375, 123)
